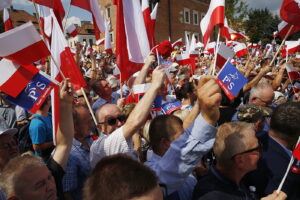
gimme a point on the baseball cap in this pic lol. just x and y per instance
(251, 113)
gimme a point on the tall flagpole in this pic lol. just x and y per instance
(216, 53)
(285, 37)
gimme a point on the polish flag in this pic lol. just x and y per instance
(46, 20)
(28, 45)
(224, 54)
(225, 30)
(65, 62)
(284, 27)
(5, 4)
(7, 21)
(211, 47)
(296, 152)
(153, 16)
(71, 30)
(236, 35)
(57, 7)
(93, 7)
(14, 78)
(183, 59)
(177, 43)
(214, 16)
(275, 34)
(147, 21)
(132, 45)
(290, 12)
(294, 77)
(107, 41)
(292, 46)
(240, 49)
(194, 53)
(100, 42)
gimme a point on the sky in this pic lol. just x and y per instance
(77, 14)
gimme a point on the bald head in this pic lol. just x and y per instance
(107, 114)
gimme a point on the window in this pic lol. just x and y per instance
(186, 13)
(195, 17)
(111, 37)
(108, 12)
(91, 42)
(188, 35)
(196, 36)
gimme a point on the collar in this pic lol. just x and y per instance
(77, 143)
(282, 146)
(223, 178)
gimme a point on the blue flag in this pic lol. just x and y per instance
(169, 107)
(231, 80)
(36, 92)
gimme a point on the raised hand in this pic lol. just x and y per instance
(209, 97)
(158, 77)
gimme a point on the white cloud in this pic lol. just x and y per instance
(73, 20)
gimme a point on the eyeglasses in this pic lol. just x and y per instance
(259, 149)
(267, 103)
(113, 121)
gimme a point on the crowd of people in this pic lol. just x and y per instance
(197, 144)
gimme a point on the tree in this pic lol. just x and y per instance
(236, 11)
(260, 25)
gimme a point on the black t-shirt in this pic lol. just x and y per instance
(58, 173)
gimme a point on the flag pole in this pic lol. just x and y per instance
(68, 12)
(287, 171)
(44, 38)
(121, 86)
(89, 105)
(216, 54)
(285, 37)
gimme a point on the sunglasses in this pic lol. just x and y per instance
(113, 121)
(259, 149)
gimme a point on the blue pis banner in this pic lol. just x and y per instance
(169, 107)
(231, 80)
(35, 93)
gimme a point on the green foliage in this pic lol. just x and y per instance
(236, 11)
(260, 25)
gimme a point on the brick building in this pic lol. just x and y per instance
(175, 18)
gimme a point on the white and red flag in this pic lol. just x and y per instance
(193, 51)
(240, 49)
(46, 20)
(290, 12)
(211, 47)
(153, 16)
(14, 78)
(100, 42)
(234, 35)
(275, 34)
(224, 54)
(147, 21)
(64, 62)
(225, 30)
(294, 76)
(28, 45)
(93, 7)
(177, 43)
(71, 30)
(107, 41)
(57, 7)
(5, 4)
(132, 44)
(292, 46)
(7, 21)
(214, 16)
(284, 27)
(183, 59)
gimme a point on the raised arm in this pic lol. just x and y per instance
(141, 111)
(257, 78)
(140, 79)
(65, 130)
